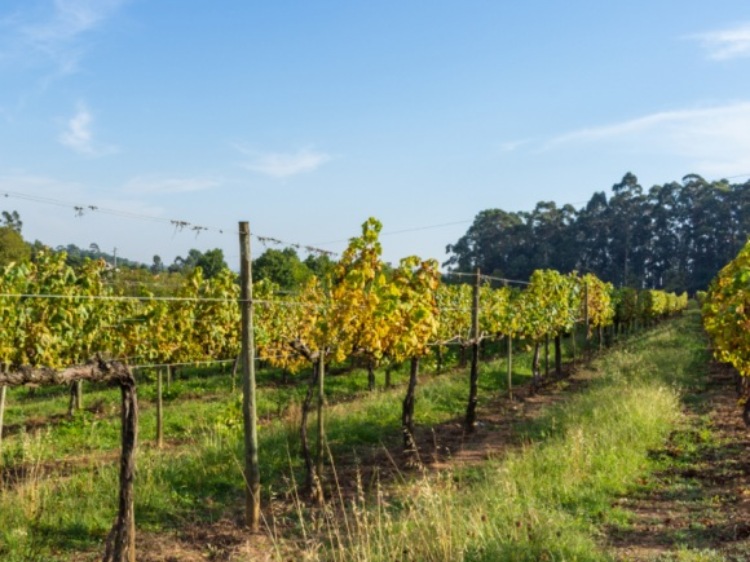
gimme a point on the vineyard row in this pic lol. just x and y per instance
(364, 309)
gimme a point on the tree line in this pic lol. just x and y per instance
(674, 236)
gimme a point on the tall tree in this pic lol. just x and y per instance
(489, 244)
(625, 214)
(12, 220)
(592, 235)
(675, 236)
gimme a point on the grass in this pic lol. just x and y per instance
(549, 499)
(61, 478)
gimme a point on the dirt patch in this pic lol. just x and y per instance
(448, 445)
(222, 540)
(700, 501)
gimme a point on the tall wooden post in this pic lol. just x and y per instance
(252, 472)
(471, 409)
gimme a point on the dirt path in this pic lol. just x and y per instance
(698, 506)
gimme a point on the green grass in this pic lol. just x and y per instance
(548, 500)
(61, 479)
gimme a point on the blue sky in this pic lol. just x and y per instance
(305, 118)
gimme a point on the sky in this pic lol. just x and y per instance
(154, 127)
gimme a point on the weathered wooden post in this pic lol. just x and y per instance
(252, 472)
(471, 409)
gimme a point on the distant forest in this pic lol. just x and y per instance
(674, 236)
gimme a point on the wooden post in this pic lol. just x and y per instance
(159, 410)
(321, 429)
(546, 356)
(471, 408)
(252, 472)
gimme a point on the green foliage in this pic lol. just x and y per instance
(673, 237)
(12, 247)
(282, 267)
(210, 261)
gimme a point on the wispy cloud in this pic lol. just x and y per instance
(712, 140)
(56, 32)
(729, 43)
(79, 137)
(510, 146)
(283, 164)
(153, 185)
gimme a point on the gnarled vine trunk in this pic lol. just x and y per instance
(471, 408)
(407, 410)
(120, 546)
(370, 375)
(535, 369)
(312, 480)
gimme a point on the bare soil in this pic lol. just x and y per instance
(699, 504)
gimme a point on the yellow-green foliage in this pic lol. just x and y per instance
(726, 312)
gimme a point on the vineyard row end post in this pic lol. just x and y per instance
(249, 414)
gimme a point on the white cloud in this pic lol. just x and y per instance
(510, 146)
(724, 44)
(55, 32)
(153, 185)
(712, 140)
(78, 135)
(282, 165)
